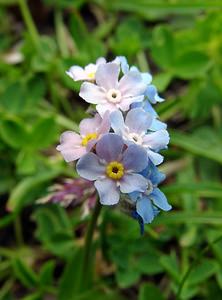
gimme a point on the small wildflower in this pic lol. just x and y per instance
(114, 168)
(119, 148)
(149, 203)
(109, 93)
(88, 73)
(73, 145)
(135, 130)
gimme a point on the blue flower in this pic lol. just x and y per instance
(149, 203)
(136, 130)
(152, 94)
(114, 168)
(156, 124)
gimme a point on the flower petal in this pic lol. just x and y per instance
(90, 125)
(131, 84)
(138, 121)
(144, 208)
(105, 125)
(157, 125)
(160, 200)
(76, 73)
(156, 158)
(107, 75)
(109, 147)
(127, 101)
(135, 196)
(90, 68)
(117, 121)
(135, 158)
(157, 140)
(103, 108)
(70, 146)
(90, 167)
(147, 77)
(70, 138)
(133, 182)
(151, 93)
(153, 174)
(100, 60)
(148, 108)
(71, 154)
(122, 61)
(92, 93)
(108, 191)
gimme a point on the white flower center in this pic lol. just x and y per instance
(114, 96)
(136, 138)
(149, 188)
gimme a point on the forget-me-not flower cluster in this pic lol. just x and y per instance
(118, 148)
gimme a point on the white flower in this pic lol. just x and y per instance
(109, 93)
(88, 73)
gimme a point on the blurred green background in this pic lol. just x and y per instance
(180, 43)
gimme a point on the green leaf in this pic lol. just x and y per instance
(170, 264)
(99, 294)
(204, 142)
(24, 273)
(14, 98)
(150, 291)
(43, 133)
(191, 64)
(54, 229)
(22, 192)
(207, 217)
(202, 189)
(203, 271)
(26, 162)
(36, 88)
(162, 48)
(13, 132)
(126, 278)
(162, 80)
(46, 273)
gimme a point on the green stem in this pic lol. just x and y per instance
(29, 23)
(87, 251)
(60, 33)
(142, 61)
(18, 231)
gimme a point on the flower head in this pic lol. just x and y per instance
(88, 73)
(70, 191)
(149, 203)
(109, 93)
(73, 145)
(114, 168)
(134, 130)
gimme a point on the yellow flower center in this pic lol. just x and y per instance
(89, 137)
(91, 75)
(115, 170)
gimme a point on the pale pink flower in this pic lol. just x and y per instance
(73, 146)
